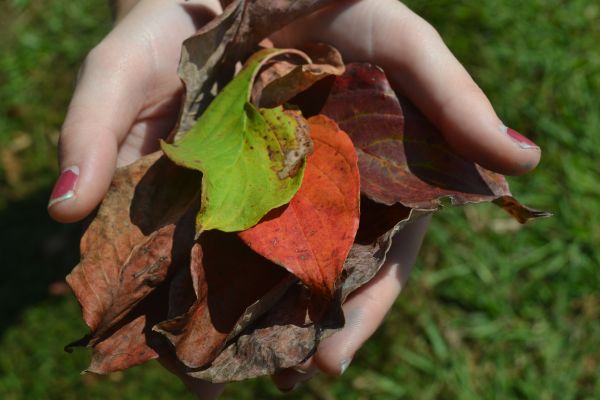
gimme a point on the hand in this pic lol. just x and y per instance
(420, 66)
(128, 94)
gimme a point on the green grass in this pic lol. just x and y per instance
(492, 311)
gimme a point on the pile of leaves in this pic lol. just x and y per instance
(228, 254)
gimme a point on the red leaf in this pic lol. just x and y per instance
(401, 156)
(312, 236)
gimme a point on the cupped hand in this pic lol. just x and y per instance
(128, 95)
(422, 68)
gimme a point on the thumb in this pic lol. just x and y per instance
(105, 104)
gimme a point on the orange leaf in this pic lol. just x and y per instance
(312, 236)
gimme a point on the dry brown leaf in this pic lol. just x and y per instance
(143, 230)
(227, 279)
(209, 57)
(290, 332)
(284, 79)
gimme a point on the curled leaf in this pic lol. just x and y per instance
(131, 341)
(208, 58)
(281, 80)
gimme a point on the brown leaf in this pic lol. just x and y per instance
(123, 349)
(290, 332)
(519, 211)
(402, 157)
(143, 230)
(228, 279)
(209, 57)
(132, 342)
(312, 235)
(378, 225)
(282, 338)
(284, 79)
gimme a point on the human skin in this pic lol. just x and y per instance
(128, 95)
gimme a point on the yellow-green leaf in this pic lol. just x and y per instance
(252, 160)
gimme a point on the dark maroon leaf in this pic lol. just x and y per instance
(402, 157)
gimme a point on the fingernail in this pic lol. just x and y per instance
(64, 188)
(344, 366)
(521, 140)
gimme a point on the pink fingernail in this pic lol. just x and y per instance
(64, 188)
(521, 140)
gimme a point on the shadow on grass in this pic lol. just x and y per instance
(35, 252)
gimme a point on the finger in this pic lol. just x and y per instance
(130, 76)
(367, 307)
(364, 311)
(419, 65)
(106, 101)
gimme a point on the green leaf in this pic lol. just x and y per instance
(252, 160)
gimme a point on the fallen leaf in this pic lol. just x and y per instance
(518, 211)
(252, 160)
(282, 80)
(291, 330)
(208, 58)
(312, 235)
(227, 279)
(143, 228)
(402, 157)
(132, 342)
(282, 338)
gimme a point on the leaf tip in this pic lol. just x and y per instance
(520, 212)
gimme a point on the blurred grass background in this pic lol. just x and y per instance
(493, 310)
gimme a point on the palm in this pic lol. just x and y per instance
(154, 56)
